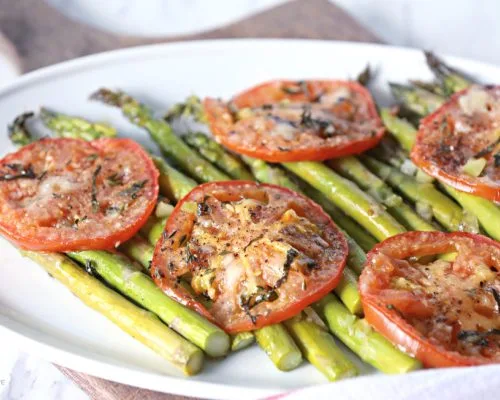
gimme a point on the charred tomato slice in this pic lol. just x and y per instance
(69, 194)
(252, 254)
(446, 313)
(460, 142)
(282, 121)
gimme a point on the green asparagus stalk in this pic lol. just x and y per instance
(401, 129)
(348, 197)
(218, 156)
(125, 277)
(74, 127)
(161, 132)
(451, 79)
(358, 239)
(173, 184)
(141, 325)
(242, 340)
(357, 334)
(418, 100)
(140, 250)
(353, 169)
(433, 87)
(487, 213)
(320, 349)
(279, 346)
(192, 107)
(446, 211)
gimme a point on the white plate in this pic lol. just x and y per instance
(44, 317)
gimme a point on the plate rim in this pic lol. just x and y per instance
(149, 380)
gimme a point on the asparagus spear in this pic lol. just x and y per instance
(348, 197)
(214, 153)
(433, 87)
(356, 334)
(418, 100)
(161, 132)
(401, 129)
(279, 346)
(487, 213)
(140, 250)
(446, 212)
(242, 340)
(451, 79)
(353, 169)
(191, 107)
(125, 277)
(320, 349)
(141, 325)
(74, 127)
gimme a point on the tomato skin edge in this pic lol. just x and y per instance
(459, 183)
(402, 334)
(276, 317)
(105, 242)
(351, 148)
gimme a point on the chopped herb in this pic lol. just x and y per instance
(267, 106)
(182, 240)
(291, 254)
(496, 296)
(18, 172)
(92, 157)
(115, 179)
(293, 89)
(488, 149)
(190, 257)
(114, 210)
(134, 189)
(326, 128)
(172, 234)
(42, 175)
(477, 337)
(171, 266)
(78, 221)
(203, 209)
(283, 148)
(95, 203)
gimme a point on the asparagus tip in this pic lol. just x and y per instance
(18, 131)
(112, 98)
(365, 76)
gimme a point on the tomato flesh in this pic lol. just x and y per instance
(69, 194)
(464, 129)
(253, 254)
(284, 121)
(446, 313)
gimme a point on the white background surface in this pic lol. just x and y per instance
(460, 27)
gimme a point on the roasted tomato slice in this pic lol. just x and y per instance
(69, 194)
(460, 142)
(446, 313)
(283, 121)
(253, 254)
